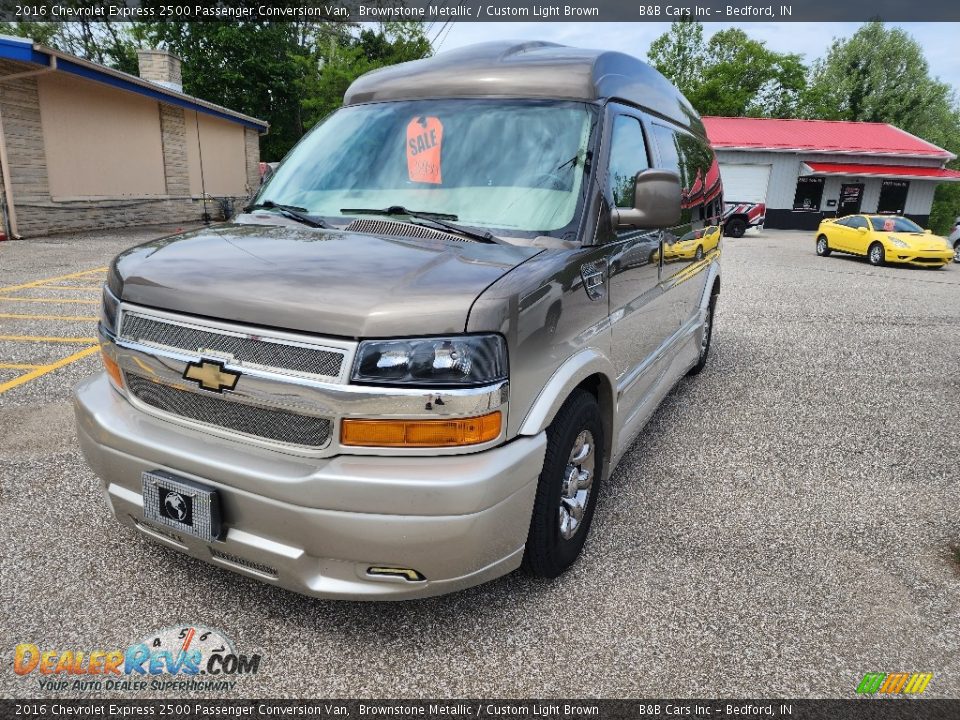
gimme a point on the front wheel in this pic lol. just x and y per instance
(567, 491)
(823, 248)
(956, 251)
(875, 254)
(699, 254)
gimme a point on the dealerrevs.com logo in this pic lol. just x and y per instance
(183, 657)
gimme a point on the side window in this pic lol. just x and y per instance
(666, 141)
(857, 222)
(844, 221)
(628, 156)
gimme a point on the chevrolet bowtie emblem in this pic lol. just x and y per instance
(211, 375)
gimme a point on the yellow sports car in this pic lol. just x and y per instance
(883, 239)
(692, 246)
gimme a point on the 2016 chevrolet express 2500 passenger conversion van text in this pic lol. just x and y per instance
(409, 365)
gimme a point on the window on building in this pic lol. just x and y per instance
(893, 197)
(809, 194)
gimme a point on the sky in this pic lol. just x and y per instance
(811, 40)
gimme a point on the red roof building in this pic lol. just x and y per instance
(804, 170)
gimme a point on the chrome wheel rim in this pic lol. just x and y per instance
(821, 246)
(956, 253)
(577, 481)
(875, 255)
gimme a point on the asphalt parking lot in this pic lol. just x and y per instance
(787, 522)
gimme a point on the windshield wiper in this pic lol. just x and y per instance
(438, 219)
(291, 211)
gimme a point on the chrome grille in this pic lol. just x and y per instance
(271, 424)
(264, 352)
(400, 229)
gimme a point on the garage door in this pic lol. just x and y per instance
(745, 183)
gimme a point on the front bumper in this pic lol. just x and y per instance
(315, 525)
(920, 258)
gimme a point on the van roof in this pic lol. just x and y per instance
(528, 70)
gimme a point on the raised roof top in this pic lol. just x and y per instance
(528, 70)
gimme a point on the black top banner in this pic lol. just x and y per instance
(727, 11)
(184, 709)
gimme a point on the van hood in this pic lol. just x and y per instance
(328, 282)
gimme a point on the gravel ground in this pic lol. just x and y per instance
(784, 524)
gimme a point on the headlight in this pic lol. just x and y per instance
(109, 310)
(897, 241)
(465, 361)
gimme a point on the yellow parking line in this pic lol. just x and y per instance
(44, 369)
(17, 366)
(17, 316)
(85, 288)
(70, 301)
(41, 281)
(55, 339)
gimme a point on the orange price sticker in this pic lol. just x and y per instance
(424, 142)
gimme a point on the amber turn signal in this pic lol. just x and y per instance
(421, 433)
(113, 370)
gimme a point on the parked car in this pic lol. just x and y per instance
(883, 239)
(409, 365)
(954, 240)
(738, 216)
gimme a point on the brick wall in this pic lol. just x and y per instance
(38, 214)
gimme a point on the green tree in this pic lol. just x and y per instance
(679, 55)
(731, 74)
(880, 74)
(104, 42)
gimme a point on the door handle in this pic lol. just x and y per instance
(594, 275)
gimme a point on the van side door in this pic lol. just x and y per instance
(640, 319)
(687, 245)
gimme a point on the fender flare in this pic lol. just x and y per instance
(712, 277)
(571, 373)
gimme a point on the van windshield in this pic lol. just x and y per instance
(507, 165)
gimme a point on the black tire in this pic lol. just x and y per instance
(823, 248)
(698, 255)
(548, 553)
(956, 251)
(875, 254)
(735, 227)
(705, 342)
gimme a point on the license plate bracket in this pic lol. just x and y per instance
(187, 506)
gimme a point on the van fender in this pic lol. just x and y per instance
(571, 373)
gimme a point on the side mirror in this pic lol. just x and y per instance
(656, 201)
(862, 230)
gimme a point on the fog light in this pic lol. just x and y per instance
(405, 573)
(113, 370)
(421, 433)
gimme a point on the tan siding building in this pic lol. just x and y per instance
(84, 147)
